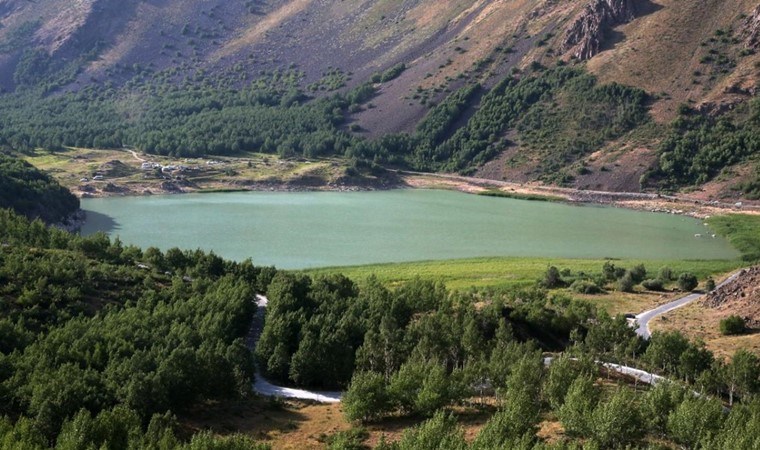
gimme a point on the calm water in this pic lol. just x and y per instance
(311, 229)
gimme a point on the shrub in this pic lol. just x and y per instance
(552, 278)
(585, 287)
(732, 325)
(653, 284)
(625, 283)
(666, 273)
(608, 271)
(366, 398)
(638, 273)
(710, 285)
(687, 281)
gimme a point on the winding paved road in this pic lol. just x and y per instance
(643, 319)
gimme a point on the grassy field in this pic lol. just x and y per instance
(742, 231)
(464, 274)
(509, 271)
(519, 196)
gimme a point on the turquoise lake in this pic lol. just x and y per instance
(313, 229)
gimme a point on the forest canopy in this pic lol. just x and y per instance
(33, 193)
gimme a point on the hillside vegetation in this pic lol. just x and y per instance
(101, 343)
(472, 86)
(33, 193)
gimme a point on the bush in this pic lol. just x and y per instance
(638, 273)
(653, 284)
(666, 273)
(710, 285)
(585, 287)
(608, 271)
(366, 398)
(625, 283)
(552, 278)
(732, 325)
(687, 281)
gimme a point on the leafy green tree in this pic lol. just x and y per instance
(617, 421)
(653, 284)
(695, 419)
(742, 374)
(694, 360)
(366, 398)
(405, 385)
(611, 337)
(659, 402)
(608, 271)
(562, 371)
(526, 375)
(576, 412)
(665, 350)
(638, 273)
(741, 430)
(440, 432)
(687, 281)
(434, 392)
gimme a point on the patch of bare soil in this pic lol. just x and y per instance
(509, 165)
(619, 171)
(701, 320)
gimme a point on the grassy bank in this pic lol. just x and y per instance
(509, 271)
(742, 231)
(520, 196)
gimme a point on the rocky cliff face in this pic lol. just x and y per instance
(751, 30)
(586, 34)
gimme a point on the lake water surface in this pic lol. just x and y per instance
(313, 229)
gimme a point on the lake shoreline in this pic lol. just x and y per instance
(399, 179)
(92, 173)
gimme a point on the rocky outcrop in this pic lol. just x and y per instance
(750, 30)
(745, 286)
(739, 297)
(586, 34)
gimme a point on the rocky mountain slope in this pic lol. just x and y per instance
(685, 52)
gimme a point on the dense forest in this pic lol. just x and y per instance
(420, 351)
(33, 193)
(101, 342)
